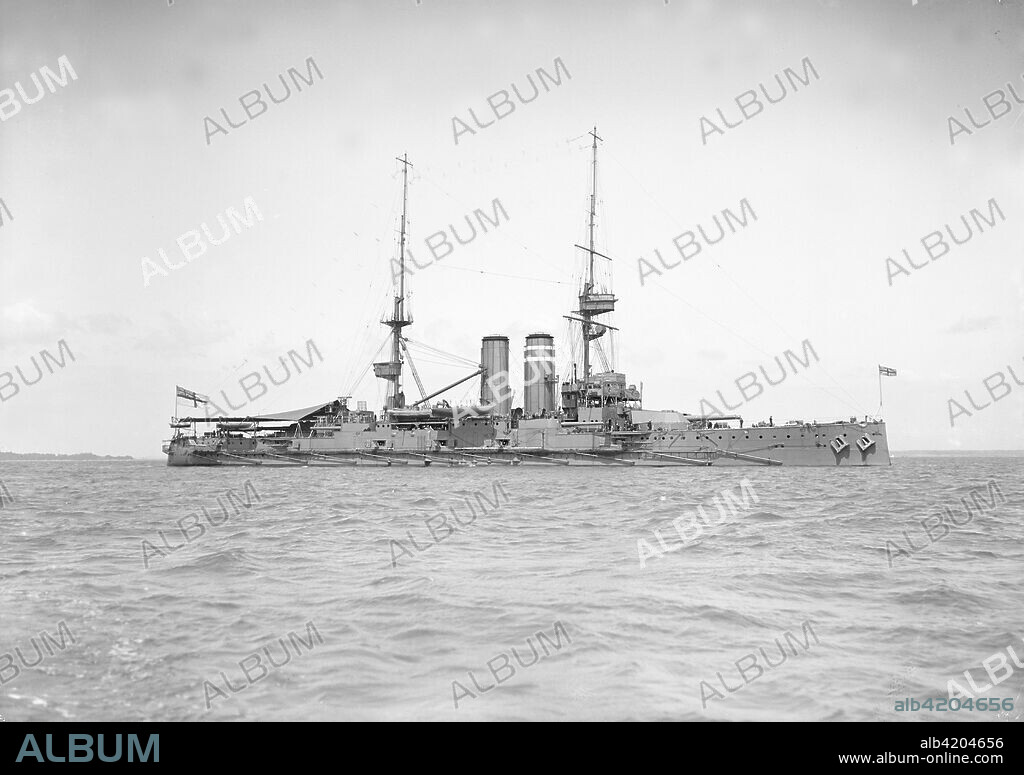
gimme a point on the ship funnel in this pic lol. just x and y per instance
(539, 378)
(494, 380)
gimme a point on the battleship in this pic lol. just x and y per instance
(590, 418)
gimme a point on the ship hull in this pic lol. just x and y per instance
(829, 445)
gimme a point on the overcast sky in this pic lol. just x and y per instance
(844, 171)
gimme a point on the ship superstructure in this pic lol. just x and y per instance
(592, 418)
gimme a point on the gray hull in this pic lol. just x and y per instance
(822, 445)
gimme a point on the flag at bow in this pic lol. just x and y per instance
(188, 395)
(885, 371)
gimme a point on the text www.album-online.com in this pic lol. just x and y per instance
(945, 757)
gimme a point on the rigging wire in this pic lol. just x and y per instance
(576, 276)
(748, 342)
(459, 358)
(421, 359)
(855, 405)
(499, 274)
(371, 297)
(352, 390)
(507, 233)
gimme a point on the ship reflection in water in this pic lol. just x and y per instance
(593, 418)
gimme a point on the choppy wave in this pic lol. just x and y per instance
(386, 593)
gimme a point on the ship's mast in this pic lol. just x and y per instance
(589, 286)
(405, 208)
(399, 316)
(592, 303)
(392, 370)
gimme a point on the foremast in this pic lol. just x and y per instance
(392, 370)
(590, 305)
(592, 302)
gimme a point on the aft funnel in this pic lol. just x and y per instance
(494, 381)
(539, 378)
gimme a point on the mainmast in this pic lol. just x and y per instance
(392, 370)
(400, 299)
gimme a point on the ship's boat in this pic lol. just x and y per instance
(590, 417)
(411, 415)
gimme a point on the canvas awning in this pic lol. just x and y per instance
(293, 415)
